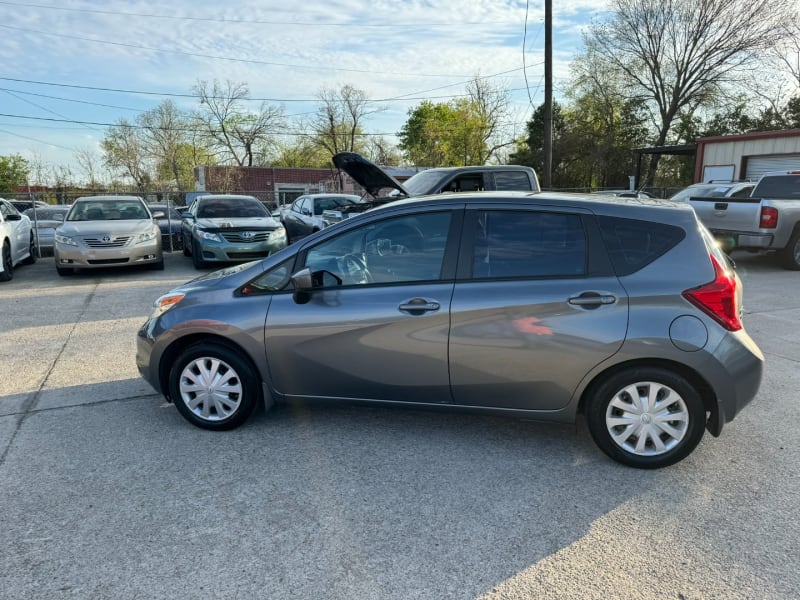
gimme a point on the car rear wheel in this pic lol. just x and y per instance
(790, 256)
(8, 266)
(213, 386)
(646, 417)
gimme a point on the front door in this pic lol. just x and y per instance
(380, 335)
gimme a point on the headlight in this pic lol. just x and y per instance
(65, 239)
(278, 233)
(164, 303)
(207, 235)
(146, 237)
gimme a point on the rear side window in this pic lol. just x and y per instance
(512, 181)
(633, 244)
(528, 244)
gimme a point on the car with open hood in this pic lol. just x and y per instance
(538, 306)
(226, 228)
(107, 231)
(384, 188)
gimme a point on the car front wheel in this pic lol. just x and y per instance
(213, 386)
(646, 417)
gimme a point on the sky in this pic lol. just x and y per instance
(70, 67)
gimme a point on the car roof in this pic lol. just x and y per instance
(107, 198)
(610, 205)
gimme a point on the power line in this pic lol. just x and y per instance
(25, 137)
(400, 98)
(69, 99)
(393, 25)
(184, 129)
(225, 58)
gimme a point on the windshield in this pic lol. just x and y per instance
(230, 208)
(107, 210)
(423, 182)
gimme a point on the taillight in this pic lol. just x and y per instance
(718, 298)
(769, 217)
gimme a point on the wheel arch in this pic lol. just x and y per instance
(706, 392)
(171, 353)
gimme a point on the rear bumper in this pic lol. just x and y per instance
(735, 371)
(734, 240)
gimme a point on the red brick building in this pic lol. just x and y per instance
(272, 184)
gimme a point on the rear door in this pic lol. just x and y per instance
(535, 307)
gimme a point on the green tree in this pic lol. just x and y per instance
(13, 172)
(125, 155)
(530, 150)
(465, 131)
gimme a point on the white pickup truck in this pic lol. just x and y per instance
(766, 221)
(16, 240)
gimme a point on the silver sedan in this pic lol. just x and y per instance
(107, 231)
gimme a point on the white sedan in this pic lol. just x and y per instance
(16, 240)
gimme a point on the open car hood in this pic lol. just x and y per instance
(367, 174)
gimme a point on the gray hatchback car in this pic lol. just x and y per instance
(542, 306)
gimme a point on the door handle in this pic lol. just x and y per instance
(592, 300)
(418, 306)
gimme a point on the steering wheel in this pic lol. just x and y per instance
(353, 269)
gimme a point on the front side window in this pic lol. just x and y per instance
(395, 250)
(511, 244)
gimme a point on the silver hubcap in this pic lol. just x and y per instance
(647, 418)
(210, 388)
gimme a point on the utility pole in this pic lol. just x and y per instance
(548, 94)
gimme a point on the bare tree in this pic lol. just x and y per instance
(164, 133)
(125, 155)
(490, 105)
(338, 124)
(236, 133)
(674, 54)
(89, 162)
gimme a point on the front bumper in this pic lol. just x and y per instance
(98, 258)
(226, 252)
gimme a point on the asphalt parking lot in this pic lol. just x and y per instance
(106, 492)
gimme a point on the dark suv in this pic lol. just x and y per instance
(540, 306)
(442, 180)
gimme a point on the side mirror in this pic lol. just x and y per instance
(14, 217)
(187, 215)
(159, 214)
(305, 281)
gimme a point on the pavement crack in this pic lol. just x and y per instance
(29, 405)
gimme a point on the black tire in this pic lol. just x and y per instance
(240, 398)
(677, 436)
(8, 266)
(157, 266)
(186, 247)
(789, 257)
(197, 259)
(65, 272)
(32, 252)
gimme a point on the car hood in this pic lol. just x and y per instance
(367, 174)
(105, 227)
(239, 223)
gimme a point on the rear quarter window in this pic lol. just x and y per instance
(633, 244)
(511, 181)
